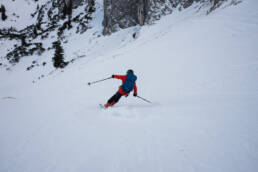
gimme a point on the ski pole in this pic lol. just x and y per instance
(89, 83)
(143, 99)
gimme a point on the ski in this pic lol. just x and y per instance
(102, 106)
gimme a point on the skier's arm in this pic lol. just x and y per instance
(122, 77)
(135, 89)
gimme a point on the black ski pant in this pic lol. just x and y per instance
(115, 98)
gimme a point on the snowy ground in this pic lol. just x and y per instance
(199, 71)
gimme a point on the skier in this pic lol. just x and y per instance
(128, 84)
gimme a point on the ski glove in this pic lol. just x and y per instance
(134, 94)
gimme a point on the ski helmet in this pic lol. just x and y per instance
(129, 71)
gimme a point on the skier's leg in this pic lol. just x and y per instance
(112, 99)
(116, 98)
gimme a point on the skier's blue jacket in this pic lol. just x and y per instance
(128, 83)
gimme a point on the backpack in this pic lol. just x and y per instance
(129, 83)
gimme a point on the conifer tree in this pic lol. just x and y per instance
(2, 10)
(58, 59)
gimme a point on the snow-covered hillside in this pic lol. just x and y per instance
(199, 71)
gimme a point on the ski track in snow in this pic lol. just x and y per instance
(200, 72)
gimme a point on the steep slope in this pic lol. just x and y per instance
(199, 71)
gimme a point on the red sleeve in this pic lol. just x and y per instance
(135, 88)
(122, 77)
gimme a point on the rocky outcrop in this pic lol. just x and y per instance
(120, 14)
(123, 14)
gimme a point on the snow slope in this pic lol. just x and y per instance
(199, 71)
